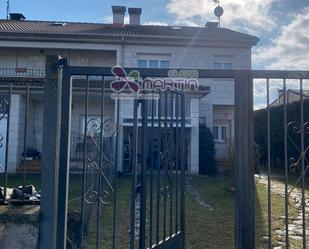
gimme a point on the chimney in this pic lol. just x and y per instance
(212, 25)
(118, 14)
(135, 16)
(17, 17)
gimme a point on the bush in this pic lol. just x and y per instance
(277, 133)
(206, 151)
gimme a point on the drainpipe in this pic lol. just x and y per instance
(122, 62)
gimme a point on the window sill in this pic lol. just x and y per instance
(220, 141)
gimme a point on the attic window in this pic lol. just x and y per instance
(59, 24)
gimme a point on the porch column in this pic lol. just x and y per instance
(194, 137)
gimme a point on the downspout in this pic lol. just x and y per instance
(122, 62)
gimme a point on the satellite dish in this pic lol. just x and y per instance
(218, 11)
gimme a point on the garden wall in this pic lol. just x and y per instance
(19, 227)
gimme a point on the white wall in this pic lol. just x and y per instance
(15, 147)
(188, 57)
(222, 92)
(35, 58)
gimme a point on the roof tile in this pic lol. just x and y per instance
(97, 29)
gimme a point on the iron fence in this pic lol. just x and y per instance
(21, 140)
(285, 152)
(157, 190)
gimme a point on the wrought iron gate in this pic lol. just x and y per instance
(88, 219)
(158, 194)
(157, 189)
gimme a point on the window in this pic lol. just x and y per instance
(79, 61)
(202, 120)
(165, 64)
(142, 63)
(169, 109)
(216, 133)
(227, 66)
(187, 107)
(217, 65)
(153, 108)
(153, 63)
(223, 133)
(220, 133)
(224, 62)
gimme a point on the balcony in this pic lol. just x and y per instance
(22, 72)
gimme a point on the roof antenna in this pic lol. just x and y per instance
(7, 9)
(218, 11)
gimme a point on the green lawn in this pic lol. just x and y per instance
(206, 227)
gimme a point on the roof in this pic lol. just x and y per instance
(295, 91)
(290, 93)
(91, 30)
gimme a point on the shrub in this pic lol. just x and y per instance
(277, 133)
(206, 151)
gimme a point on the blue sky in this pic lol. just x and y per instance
(282, 25)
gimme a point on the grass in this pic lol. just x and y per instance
(278, 210)
(205, 227)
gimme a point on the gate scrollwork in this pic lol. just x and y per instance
(99, 136)
(299, 163)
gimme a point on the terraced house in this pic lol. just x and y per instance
(24, 45)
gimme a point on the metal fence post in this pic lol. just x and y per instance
(64, 158)
(244, 162)
(50, 156)
(142, 241)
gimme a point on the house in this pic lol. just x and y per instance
(24, 45)
(292, 95)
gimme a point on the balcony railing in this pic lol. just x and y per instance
(22, 72)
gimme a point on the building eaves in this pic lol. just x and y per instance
(69, 31)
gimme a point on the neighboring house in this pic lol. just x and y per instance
(292, 95)
(25, 44)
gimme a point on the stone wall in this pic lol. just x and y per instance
(19, 227)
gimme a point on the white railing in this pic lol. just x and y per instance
(22, 72)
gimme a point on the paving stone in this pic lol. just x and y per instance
(295, 224)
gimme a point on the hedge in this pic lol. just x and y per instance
(277, 133)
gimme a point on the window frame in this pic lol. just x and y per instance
(142, 60)
(220, 138)
(158, 61)
(164, 61)
(155, 61)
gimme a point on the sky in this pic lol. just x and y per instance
(281, 25)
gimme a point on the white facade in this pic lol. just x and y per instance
(215, 109)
